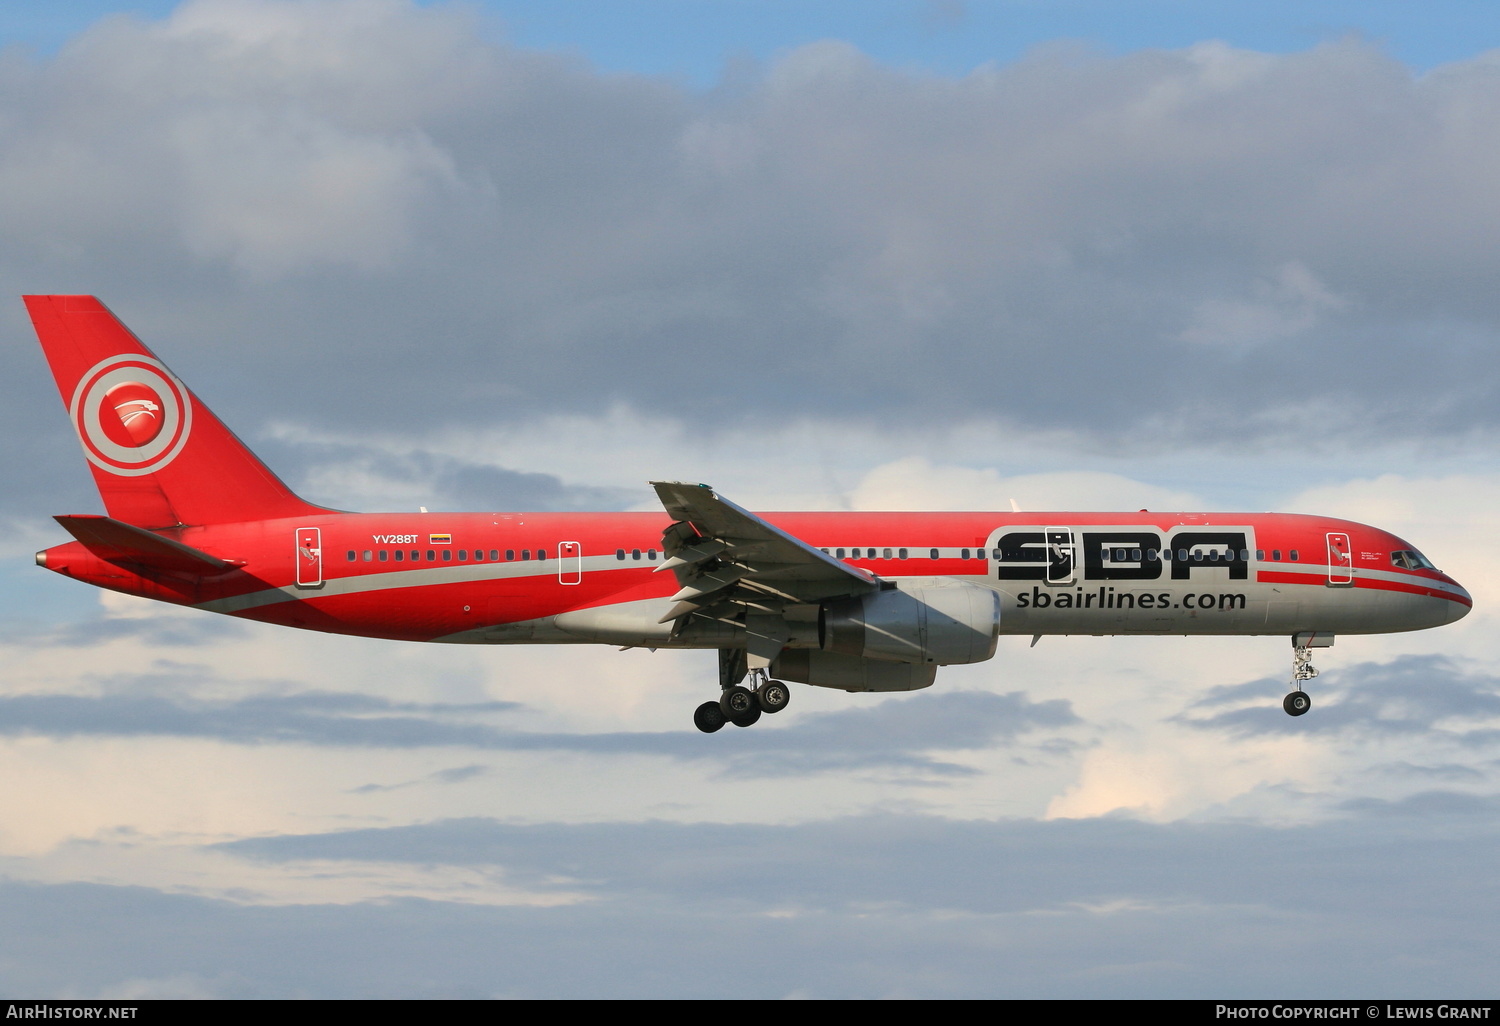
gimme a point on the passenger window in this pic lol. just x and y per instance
(382, 555)
(963, 553)
(1260, 555)
(1276, 555)
(541, 553)
(494, 555)
(510, 555)
(415, 555)
(635, 553)
(1294, 555)
(525, 553)
(400, 555)
(463, 555)
(887, 553)
(619, 553)
(432, 555)
(352, 556)
(901, 553)
(651, 554)
(934, 554)
(368, 555)
(447, 555)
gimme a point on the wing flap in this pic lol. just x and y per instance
(731, 563)
(751, 540)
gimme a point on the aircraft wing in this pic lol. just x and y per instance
(727, 559)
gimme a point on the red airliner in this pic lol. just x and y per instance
(858, 601)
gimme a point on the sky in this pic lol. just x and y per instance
(822, 256)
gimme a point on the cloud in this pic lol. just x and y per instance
(1414, 696)
(419, 267)
(166, 632)
(305, 718)
(372, 476)
(1285, 306)
(914, 483)
(367, 216)
(896, 735)
(859, 906)
(1428, 805)
(453, 775)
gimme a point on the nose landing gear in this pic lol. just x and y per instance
(1298, 702)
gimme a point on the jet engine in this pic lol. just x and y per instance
(849, 673)
(920, 620)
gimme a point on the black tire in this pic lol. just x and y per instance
(737, 701)
(773, 696)
(708, 717)
(748, 719)
(1296, 703)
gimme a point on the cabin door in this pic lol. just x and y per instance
(309, 557)
(1340, 559)
(1062, 563)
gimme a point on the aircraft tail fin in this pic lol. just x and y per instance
(160, 458)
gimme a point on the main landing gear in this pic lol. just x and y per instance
(742, 706)
(1298, 702)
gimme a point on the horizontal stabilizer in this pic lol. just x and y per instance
(124, 545)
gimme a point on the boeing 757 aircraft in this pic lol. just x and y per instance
(858, 601)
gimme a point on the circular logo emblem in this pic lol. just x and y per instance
(138, 407)
(131, 414)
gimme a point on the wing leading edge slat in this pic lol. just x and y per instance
(722, 553)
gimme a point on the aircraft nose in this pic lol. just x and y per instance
(1458, 610)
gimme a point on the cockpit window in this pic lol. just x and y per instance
(1411, 559)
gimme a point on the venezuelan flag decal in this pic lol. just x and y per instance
(440, 539)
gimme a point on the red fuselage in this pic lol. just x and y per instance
(473, 577)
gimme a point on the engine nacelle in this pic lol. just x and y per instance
(831, 670)
(921, 620)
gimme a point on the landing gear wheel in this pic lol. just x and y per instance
(773, 696)
(1296, 703)
(737, 701)
(748, 719)
(708, 717)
